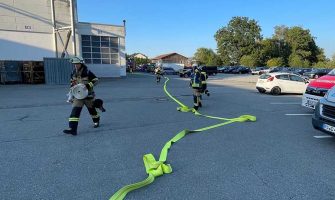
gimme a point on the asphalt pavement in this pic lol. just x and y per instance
(280, 156)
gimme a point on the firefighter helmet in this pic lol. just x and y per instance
(76, 60)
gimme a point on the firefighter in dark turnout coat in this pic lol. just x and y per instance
(196, 86)
(82, 75)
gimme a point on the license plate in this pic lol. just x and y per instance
(329, 128)
(310, 104)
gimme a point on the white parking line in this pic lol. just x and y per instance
(286, 103)
(322, 136)
(298, 114)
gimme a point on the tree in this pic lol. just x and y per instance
(297, 60)
(275, 62)
(274, 48)
(280, 32)
(303, 46)
(208, 57)
(240, 37)
(141, 61)
(249, 61)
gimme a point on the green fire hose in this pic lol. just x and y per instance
(155, 168)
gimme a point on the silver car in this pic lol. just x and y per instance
(324, 115)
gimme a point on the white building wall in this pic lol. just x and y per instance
(25, 46)
(105, 70)
(29, 16)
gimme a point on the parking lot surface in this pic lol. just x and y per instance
(280, 156)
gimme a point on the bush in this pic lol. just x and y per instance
(275, 62)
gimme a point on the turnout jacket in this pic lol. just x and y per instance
(86, 77)
(196, 80)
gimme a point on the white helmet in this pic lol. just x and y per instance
(76, 60)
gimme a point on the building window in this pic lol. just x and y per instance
(100, 49)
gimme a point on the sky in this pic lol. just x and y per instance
(156, 27)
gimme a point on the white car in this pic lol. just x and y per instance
(281, 82)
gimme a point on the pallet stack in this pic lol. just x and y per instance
(33, 72)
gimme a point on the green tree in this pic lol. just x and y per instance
(240, 37)
(249, 60)
(303, 47)
(141, 61)
(296, 60)
(331, 63)
(208, 57)
(274, 48)
(275, 62)
(280, 32)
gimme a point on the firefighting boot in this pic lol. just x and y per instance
(200, 105)
(96, 122)
(70, 131)
(73, 124)
(196, 107)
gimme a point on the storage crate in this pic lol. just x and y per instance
(33, 72)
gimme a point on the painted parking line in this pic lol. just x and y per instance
(322, 136)
(298, 114)
(286, 103)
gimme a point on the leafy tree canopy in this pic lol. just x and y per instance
(208, 57)
(240, 37)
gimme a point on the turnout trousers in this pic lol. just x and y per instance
(77, 106)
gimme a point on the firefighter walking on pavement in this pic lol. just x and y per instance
(158, 72)
(196, 86)
(204, 78)
(81, 75)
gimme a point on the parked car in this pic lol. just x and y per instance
(259, 70)
(301, 71)
(317, 88)
(222, 69)
(210, 70)
(276, 69)
(186, 72)
(169, 71)
(324, 115)
(241, 70)
(281, 82)
(229, 69)
(317, 73)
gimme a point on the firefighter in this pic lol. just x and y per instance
(204, 78)
(158, 72)
(196, 86)
(81, 75)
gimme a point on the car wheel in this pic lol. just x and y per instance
(276, 90)
(261, 91)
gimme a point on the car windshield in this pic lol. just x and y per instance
(332, 72)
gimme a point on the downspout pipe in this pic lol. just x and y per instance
(54, 26)
(73, 29)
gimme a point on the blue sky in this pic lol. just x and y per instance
(157, 27)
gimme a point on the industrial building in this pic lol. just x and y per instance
(31, 30)
(173, 60)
